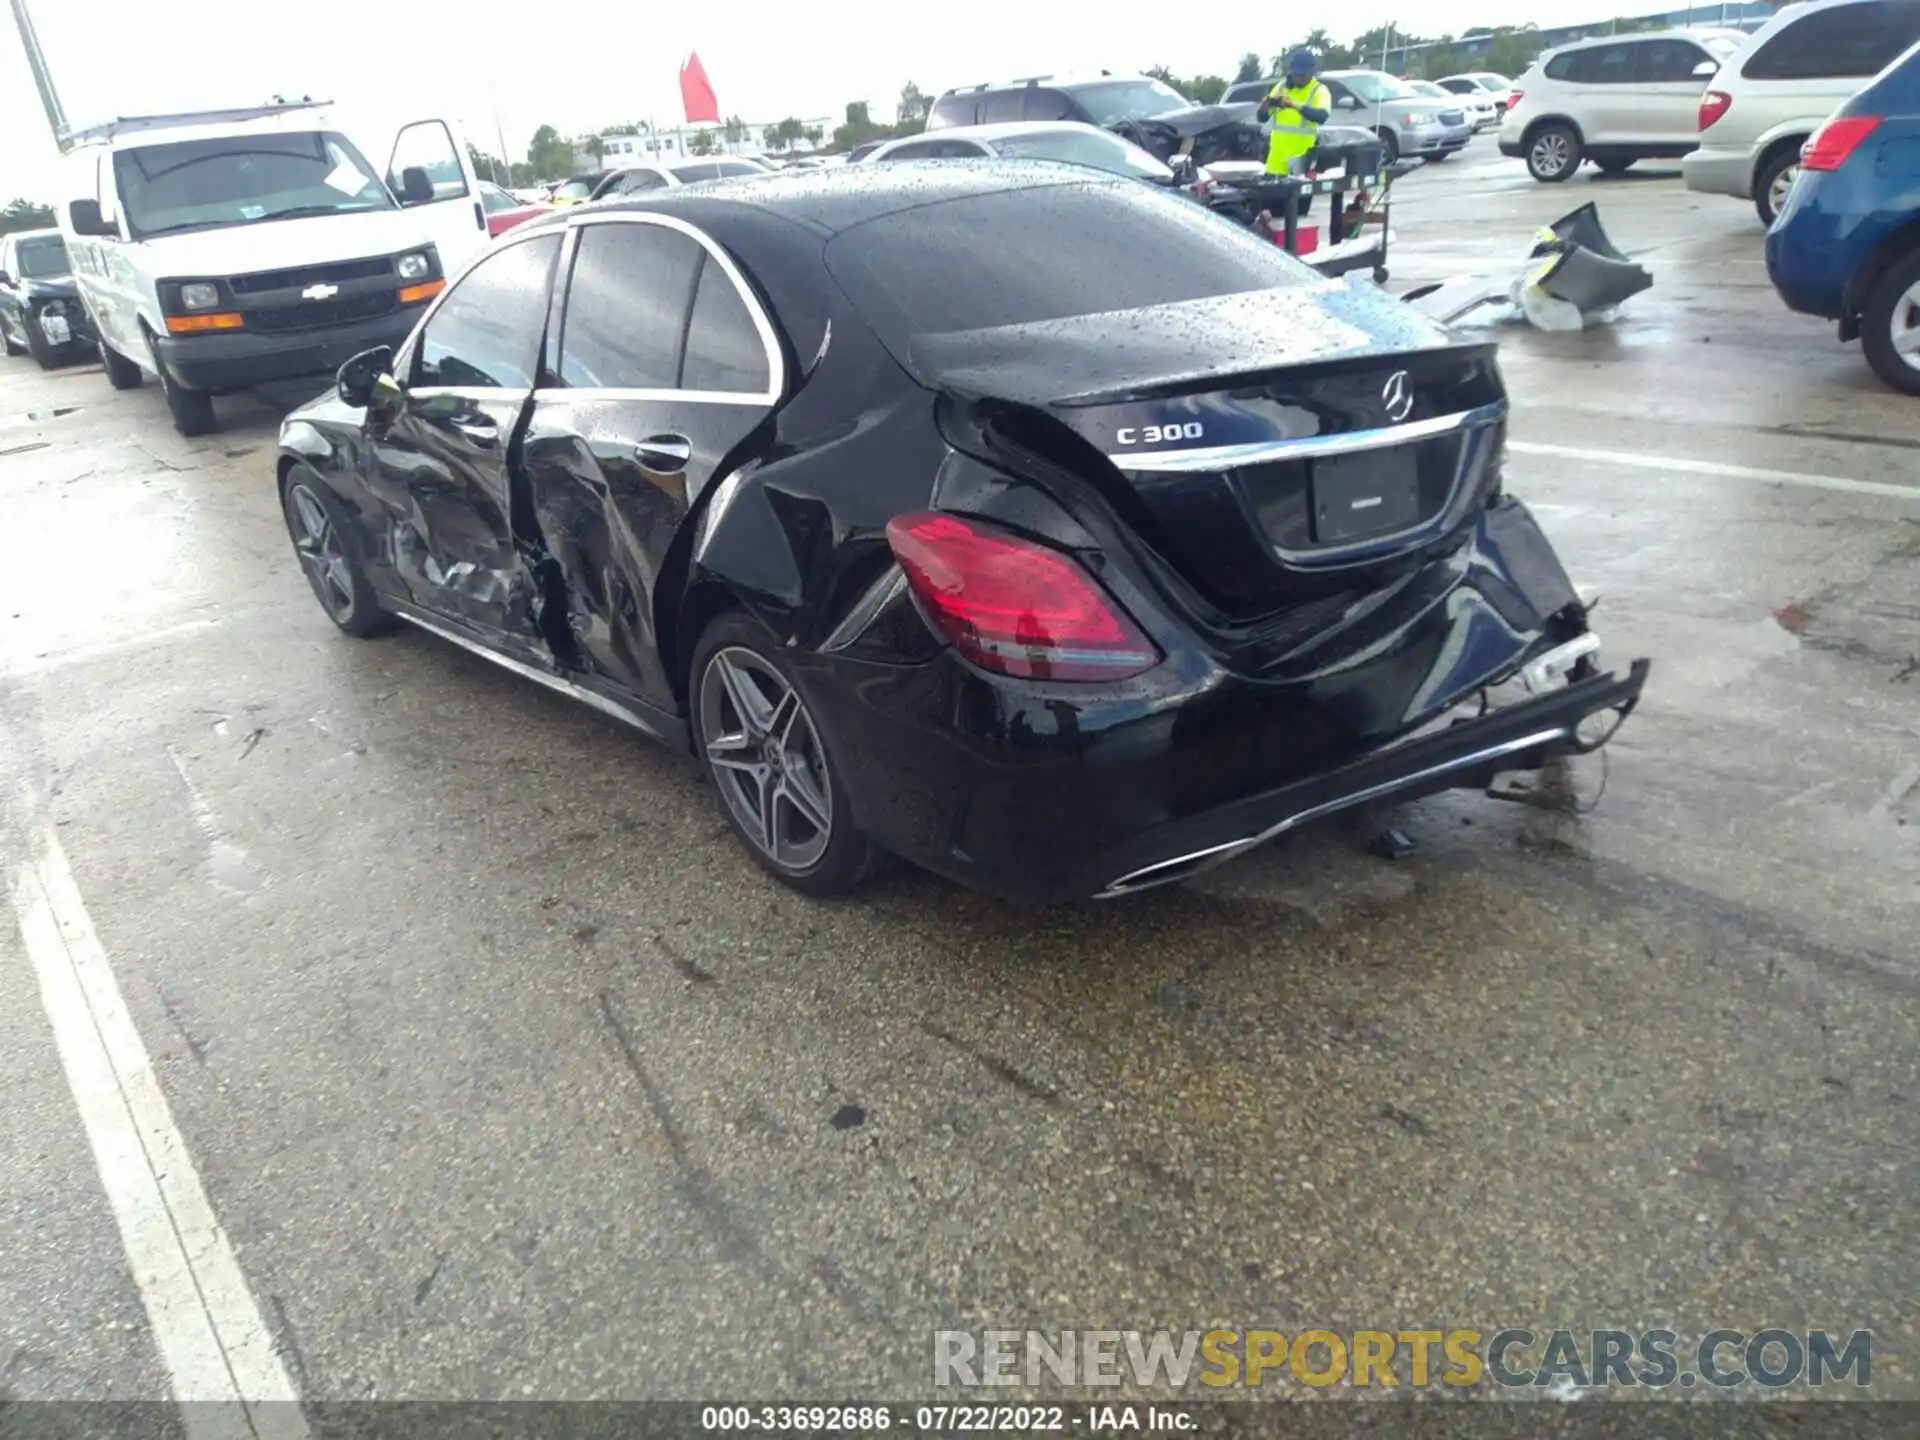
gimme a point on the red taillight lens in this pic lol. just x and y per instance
(1513, 100)
(1713, 105)
(1010, 605)
(1834, 141)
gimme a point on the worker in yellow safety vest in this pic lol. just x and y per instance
(1298, 106)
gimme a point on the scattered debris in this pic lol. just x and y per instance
(848, 1117)
(1574, 277)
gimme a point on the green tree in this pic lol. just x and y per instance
(1169, 79)
(23, 214)
(1250, 69)
(914, 105)
(703, 143)
(548, 156)
(488, 167)
(596, 146)
(1207, 89)
(736, 130)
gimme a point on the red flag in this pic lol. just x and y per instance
(696, 93)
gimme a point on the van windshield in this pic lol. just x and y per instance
(238, 179)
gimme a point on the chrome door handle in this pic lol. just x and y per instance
(667, 454)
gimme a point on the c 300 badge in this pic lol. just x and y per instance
(1159, 434)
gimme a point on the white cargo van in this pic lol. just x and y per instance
(226, 249)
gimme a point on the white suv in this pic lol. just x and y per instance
(1613, 100)
(1797, 69)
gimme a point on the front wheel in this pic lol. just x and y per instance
(322, 542)
(1553, 154)
(770, 763)
(192, 410)
(1389, 146)
(1890, 326)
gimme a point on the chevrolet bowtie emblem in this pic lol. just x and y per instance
(319, 292)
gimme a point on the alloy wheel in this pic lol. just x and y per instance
(1906, 326)
(1782, 184)
(1552, 154)
(321, 554)
(766, 758)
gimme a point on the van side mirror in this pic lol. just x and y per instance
(416, 186)
(1705, 69)
(86, 219)
(355, 381)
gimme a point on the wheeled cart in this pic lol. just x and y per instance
(1356, 216)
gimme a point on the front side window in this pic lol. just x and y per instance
(42, 258)
(428, 145)
(1844, 42)
(486, 333)
(1371, 88)
(627, 308)
(1002, 105)
(1044, 104)
(578, 188)
(236, 180)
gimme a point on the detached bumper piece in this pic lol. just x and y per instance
(1467, 755)
(1574, 276)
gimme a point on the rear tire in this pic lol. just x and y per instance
(122, 373)
(192, 410)
(323, 543)
(1890, 326)
(1389, 146)
(1771, 185)
(763, 751)
(43, 352)
(1553, 153)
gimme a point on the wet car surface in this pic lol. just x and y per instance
(508, 1074)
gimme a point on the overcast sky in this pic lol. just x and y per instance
(583, 64)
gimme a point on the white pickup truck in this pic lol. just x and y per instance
(222, 250)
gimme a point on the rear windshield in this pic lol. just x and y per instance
(44, 257)
(972, 264)
(236, 180)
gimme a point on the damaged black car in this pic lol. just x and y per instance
(1024, 522)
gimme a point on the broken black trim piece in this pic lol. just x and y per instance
(1463, 756)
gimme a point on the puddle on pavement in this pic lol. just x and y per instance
(37, 417)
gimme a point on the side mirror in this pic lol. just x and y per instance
(1705, 69)
(1346, 102)
(86, 219)
(356, 379)
(416, 186)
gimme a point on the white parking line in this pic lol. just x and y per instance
(1714, 467)
(212, 1341)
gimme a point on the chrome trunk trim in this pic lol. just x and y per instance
(1305, 447)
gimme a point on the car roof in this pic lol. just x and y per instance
(1678, 32)
(1001, 129)
(1051, 82)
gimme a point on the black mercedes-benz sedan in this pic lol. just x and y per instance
(1028, 523)
(40, 309)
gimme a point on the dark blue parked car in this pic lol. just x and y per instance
(1846, 245)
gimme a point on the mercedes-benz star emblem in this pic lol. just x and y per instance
(1397, 395)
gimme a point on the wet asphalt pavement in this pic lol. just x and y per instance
(508, 1075)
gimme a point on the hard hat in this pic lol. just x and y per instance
(1302, 62)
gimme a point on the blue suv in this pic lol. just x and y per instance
(1846, 244)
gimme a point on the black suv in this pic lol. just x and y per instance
(1150, 113)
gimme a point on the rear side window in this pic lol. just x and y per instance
(1602, 65)
(953, 110)
(724, 349)
(1111, 245)
(1665, 62)
(486, 333)
(1043, 104)
(1847, 42)
(627, 308)
(1459, 87)
(999, 105)
(635, 181)
(937, 150)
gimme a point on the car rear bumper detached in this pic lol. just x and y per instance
(1719, 171)
(1045, 793)
(235, 360)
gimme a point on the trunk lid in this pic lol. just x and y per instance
(1271, 447)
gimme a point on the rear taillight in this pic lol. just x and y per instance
(1513, 100)
(1713, 105)
(1012, 606)
(1836, 140)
